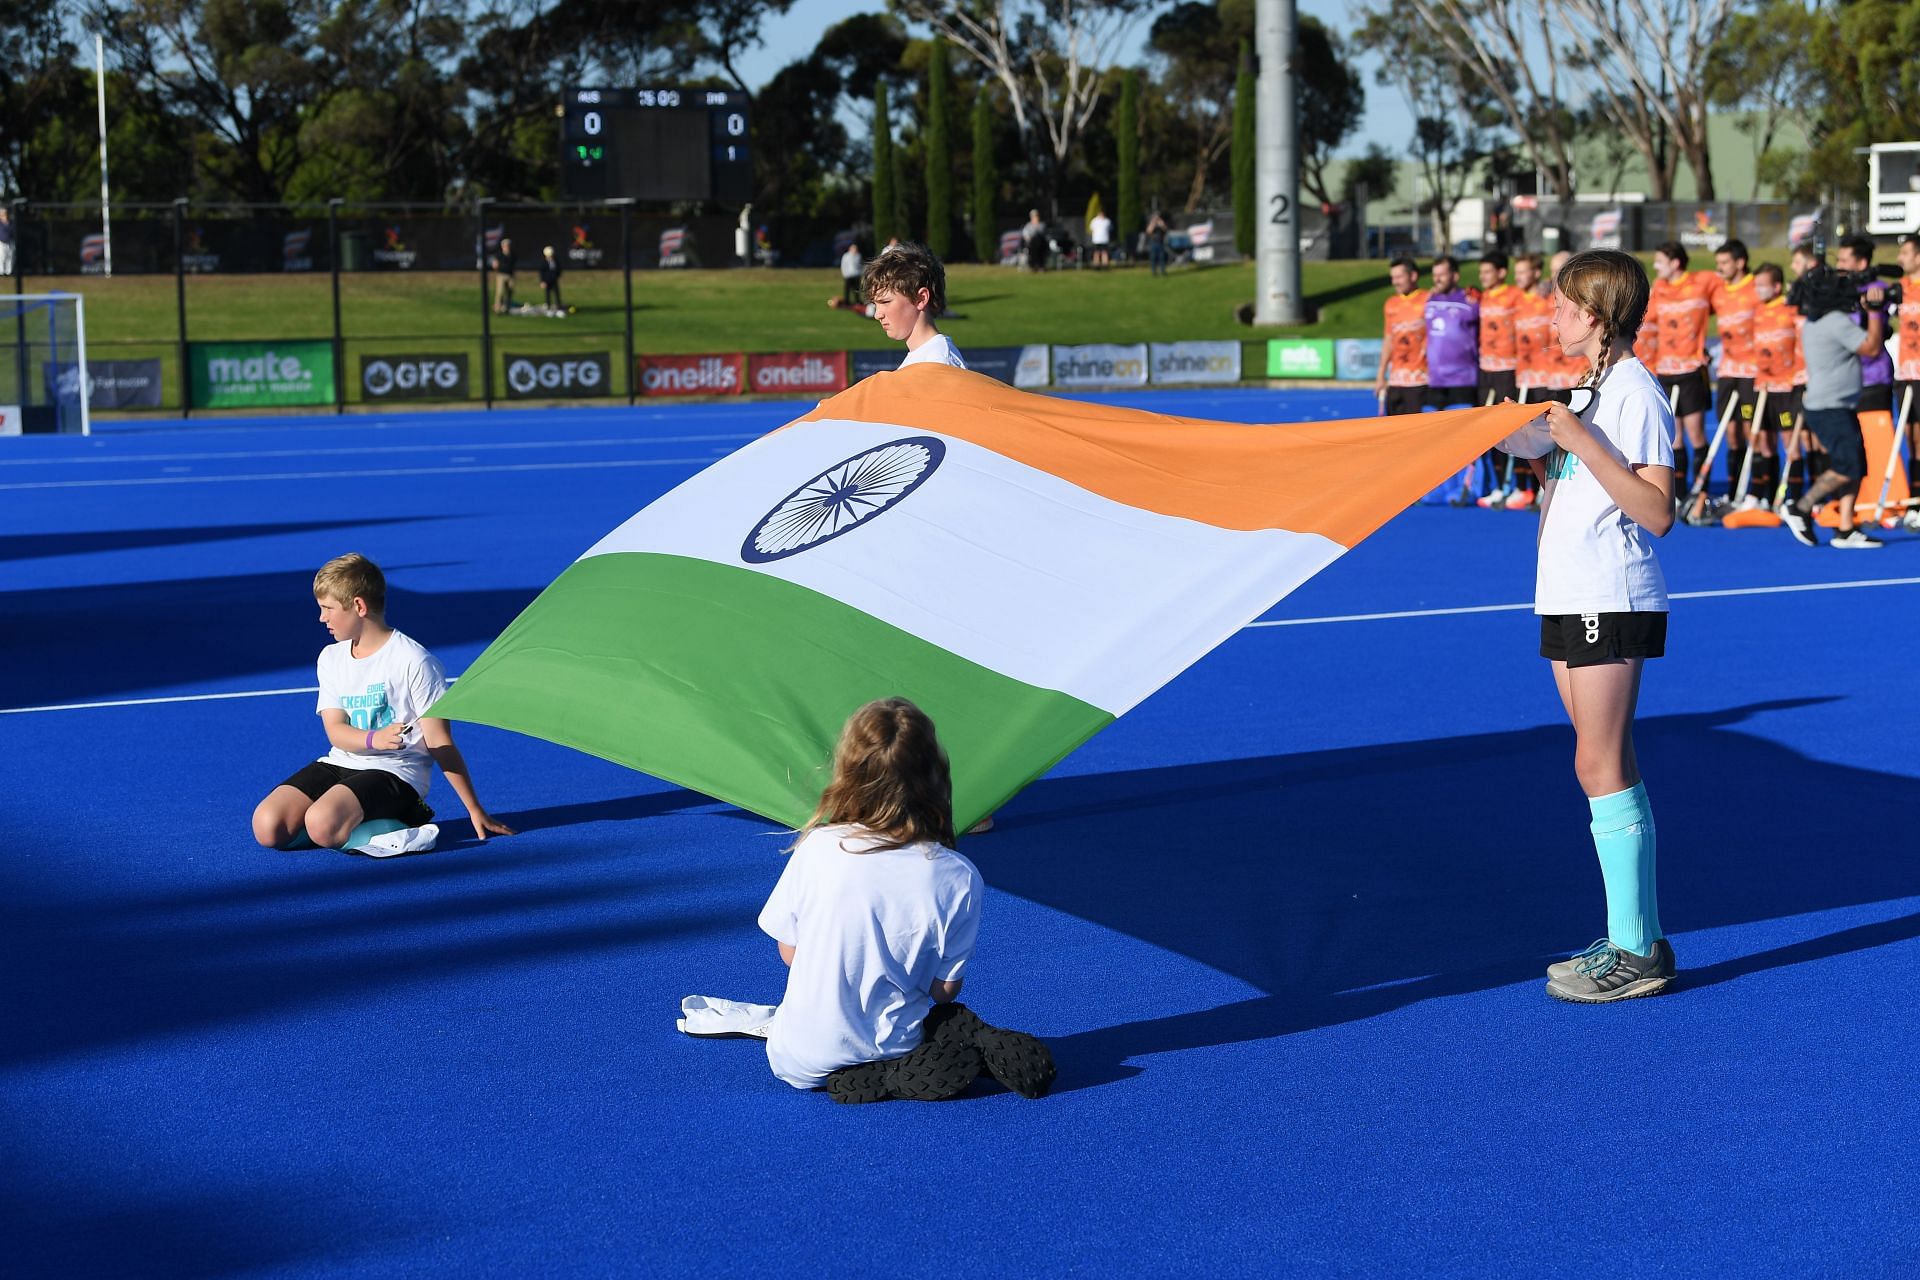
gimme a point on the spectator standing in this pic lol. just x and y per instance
(1452, 316)
(1157, 243)
(1401, 383)
(550, 279)
(502, 264)
(851, 265)
(1034, 237)
(1100, 233)
(6, 241)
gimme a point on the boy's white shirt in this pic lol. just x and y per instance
(938, 349)
(1101, 229)
(871, 933)
(395, 684)
(1593, 558)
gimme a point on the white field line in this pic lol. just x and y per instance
(464, 446)
(254, 477)
(1277, 622)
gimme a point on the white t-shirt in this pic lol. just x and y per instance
(938, 349)
(1101, 229)
(850, 263)
(395, 684)
(871, 933)
(1593, 557)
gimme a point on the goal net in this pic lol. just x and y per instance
(43, 363)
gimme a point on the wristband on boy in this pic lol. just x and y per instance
(369, 739)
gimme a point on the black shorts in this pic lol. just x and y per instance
(1451, 397)
(1875, 398)
(1783, 407)
(1838, 431)
(1541, 395)
(1901, 390)
(1405, 400)
(381, 794)
(1693, 391)
(1735, 391)
(1589, 639)
(1501, 384)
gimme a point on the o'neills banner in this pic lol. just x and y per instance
(559, 376)
(1196, 362)
(711, 375)
(806, 371)
(243, 375)
(1101, 364)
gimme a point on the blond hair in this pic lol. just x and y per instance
(890, 776)
(1612, 287)
(351, 577)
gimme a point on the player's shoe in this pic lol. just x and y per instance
(1611, 973)
(1855, 539)
(1566, 968)
(410, 840)
(1494, 499)
(1912, 521)
(1017, 1060)
(1749, 503)
(1521, 500)
(1799, 525)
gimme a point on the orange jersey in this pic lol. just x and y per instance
(1733, 308)
(1908, 367)
(1679, 312)
(1537, 354)
(1499, 307)
(1776, 345)
(1406, 338)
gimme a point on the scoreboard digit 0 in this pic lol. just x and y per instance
(656, 144)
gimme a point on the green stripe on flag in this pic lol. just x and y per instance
(736, 684)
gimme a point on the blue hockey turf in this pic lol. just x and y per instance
(1284, 924)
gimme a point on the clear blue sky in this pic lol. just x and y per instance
(788, 37)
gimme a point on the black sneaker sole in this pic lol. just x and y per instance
(864, 1083)
(1018, 1061)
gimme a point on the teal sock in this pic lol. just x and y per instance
(1623, 836)
(371, 828)
(298, 840)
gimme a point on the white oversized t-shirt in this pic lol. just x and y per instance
(871, 932)
(1593, 557)
(938, 349)
(395, 684)
(1101, 229)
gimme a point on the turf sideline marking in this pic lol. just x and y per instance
(1277, 622)
(351, 475)
(1515, 608)
(610, 442)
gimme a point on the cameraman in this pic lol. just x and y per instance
(1834, 348)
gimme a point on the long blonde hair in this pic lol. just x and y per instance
(1612, 287)
(890, 776)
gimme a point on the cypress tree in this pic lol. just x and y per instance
(986, 182)
(902, 219)
(939, 153)
(1245, 233)
(1128, 214)
(884, 197)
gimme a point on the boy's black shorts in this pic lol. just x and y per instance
(1588, 639)
(1405, 400)
(1693, 391)
(381, 794)
(1452, 397)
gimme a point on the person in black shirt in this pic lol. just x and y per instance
(502, 264)
(550, 279)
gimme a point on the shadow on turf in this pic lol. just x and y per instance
(30, 546)
(1346, 884)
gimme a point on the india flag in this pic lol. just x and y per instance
(1022, 567)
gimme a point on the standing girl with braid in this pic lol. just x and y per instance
(1602, 600)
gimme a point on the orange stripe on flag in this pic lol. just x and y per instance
(1342, 479)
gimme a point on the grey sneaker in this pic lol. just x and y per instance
(1571, 965)
(1856, 539)
(1608, 974)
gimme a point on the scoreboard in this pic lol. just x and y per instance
(656, 144)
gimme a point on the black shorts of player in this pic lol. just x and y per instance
(1875, 398)
(1540, 395)
(1451, 397)
(1838, 431)
(381, 794)
(1589, 639)
(1901, 391)
(1405, 400)
(1783, 408)
(1693, 391)
(1734, 391)
(1501, 384)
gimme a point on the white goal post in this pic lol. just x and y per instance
(43, 364)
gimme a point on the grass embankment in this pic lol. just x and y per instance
(679, 312)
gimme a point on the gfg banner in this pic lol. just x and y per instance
(1100, 364)
(1196, 362)
(245, 375)
(437, 376)
(550, 377)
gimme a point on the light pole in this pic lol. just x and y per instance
(1277, 171)
(100, 82)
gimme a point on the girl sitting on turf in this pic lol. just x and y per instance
(876, 917)
(1602, 600)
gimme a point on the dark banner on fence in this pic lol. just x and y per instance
(552, 377)
(1699, 227)
(111, 384)
(439, 376)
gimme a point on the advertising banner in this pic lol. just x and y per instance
(437, 376)
(1016, 366)
(1300, 357)
(713, 375)
(862, 364)
(10, 420)
(1101, 364)
(1356, 359)
(548, 377)
(1196, 362)
(111, 384)
(812, 372)
(244, 375)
